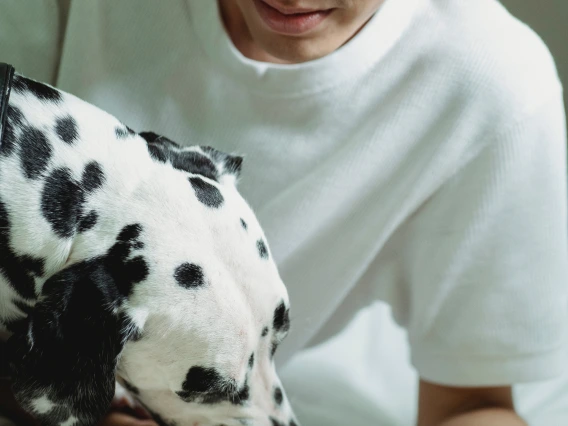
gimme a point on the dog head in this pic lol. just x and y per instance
(172, 289)
(214, 305)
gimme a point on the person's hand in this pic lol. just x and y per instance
(120, 418)
(124, 413)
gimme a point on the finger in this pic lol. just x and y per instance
(142, 413)
(117, 418)
(119, 403)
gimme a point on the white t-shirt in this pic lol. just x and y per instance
(422, 164)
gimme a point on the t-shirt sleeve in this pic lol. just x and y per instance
(32, 36)
(485, 261)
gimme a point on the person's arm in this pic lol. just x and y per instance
(452, 406)
(483, 265)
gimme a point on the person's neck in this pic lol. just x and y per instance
(239, 33)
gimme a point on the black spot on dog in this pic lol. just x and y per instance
(15, 116)
(61, 202)
(123, 132)
(128, 271)
(130, 233)
(63, 199)
(195, 163)
(273, 349)
(151, 137)
(93, 176)
(35, 152)
(189, 275)
(206, 193)
(8, 140)
(120, 132)
(231, 164)
(131, 388)
(41, 91)
(262, 250)
(159, 146)
(77, 335)
(117, 264)
(14, 119)
(251, 360)
(278, 397)
(281, 319)
(276, 422)
(138, 245)
(241, 396)
(200, 381)
(66, 129)
(19, 270)
(167, 151)
(264, 331)
(244, 224)
(207, 386)
(157, 153)
(293, 423)
(32, 264)
(87, 222)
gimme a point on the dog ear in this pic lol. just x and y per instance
(63, 364)
(202, 160)
(229, 165)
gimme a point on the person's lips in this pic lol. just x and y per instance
(285, 10)
(289, 21)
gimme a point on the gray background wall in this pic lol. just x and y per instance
(549, 18)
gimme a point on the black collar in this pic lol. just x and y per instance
(6, 75)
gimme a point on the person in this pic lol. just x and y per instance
(408, 151)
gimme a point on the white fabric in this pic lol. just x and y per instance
(353, 380)
(422, 164)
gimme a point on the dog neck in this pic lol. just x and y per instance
(63, 163)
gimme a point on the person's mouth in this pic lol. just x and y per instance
(290, 21)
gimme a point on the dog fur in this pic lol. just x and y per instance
(124, 256)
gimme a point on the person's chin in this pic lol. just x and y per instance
(293, 49)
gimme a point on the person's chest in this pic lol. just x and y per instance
(329, 175)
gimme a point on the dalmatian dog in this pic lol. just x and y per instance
(126, 257)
